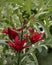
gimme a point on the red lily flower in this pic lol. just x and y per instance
(36, 37)
(11, 33)
(18, 45)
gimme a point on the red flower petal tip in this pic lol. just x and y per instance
(5, 31)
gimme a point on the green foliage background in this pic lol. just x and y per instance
(14, 11)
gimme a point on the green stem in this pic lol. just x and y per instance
(22, 35)
(18, 58)
(22, 32)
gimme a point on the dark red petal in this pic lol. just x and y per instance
(11, 44)
(39, 36)
(12, 33)
(17, 40)
(5, 31)
(36, 37)
(23, 42)
(15, 47)
(18, 48)
(34, 34)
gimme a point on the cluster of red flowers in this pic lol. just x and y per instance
(19, 44)
(13, 35)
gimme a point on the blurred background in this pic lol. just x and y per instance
(39, 14)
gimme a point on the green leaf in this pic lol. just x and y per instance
(29, 59)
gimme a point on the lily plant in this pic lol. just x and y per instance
(21, 41)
